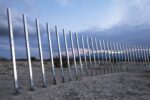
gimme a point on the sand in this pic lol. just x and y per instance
(115, 86)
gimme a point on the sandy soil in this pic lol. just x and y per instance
(117, 86)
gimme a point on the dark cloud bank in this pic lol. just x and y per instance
(137, 34)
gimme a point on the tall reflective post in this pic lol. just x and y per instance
(67, 55)
(74, 56)
(84, 53)
(93, 53)
(28, 52)
(40, 52)
(51, 54)
(12, 47)
(89, 53)
(78, 48)
(60, 55)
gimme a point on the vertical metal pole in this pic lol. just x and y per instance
(74, 56)
(109, 55)
(121, 57)
(119, 60)
(136, 57)
(139, 57)
(13, 57)
(148, 58)
(116, 57)
(51, 54)
(105, 56)
(125, 58)
(40, 52)
(102, 57)
(84, 52)
(97, 50)
(77, 41)
(60, 55)
(28, 52)
(93, 51)
(145, 58)
(128, 57)
(67, 54)
(112, 56)
(146, 54)
(89, 52)
(142, 57)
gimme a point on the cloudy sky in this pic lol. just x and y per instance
(113, 20)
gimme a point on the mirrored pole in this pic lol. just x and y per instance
(128, 58)
(89, 54)
(97, 51)
(136, 57)
(133, 55)
(144, 54)
(28, 52)
(115, 58)
(102, 56)
(122, 57)
(93, 53)
(142, 58)
(40, 52)
(13, 57)
(74, 56)
(51, 54)
(125, 57)
(67, 55)
(105, 57)
(109, 56)
(84, 53)
(112, 56)
(139, 58)
(78, 48)
(148, 58)
(60, 55)
(119, 58)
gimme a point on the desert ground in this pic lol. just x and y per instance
(115, 86)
